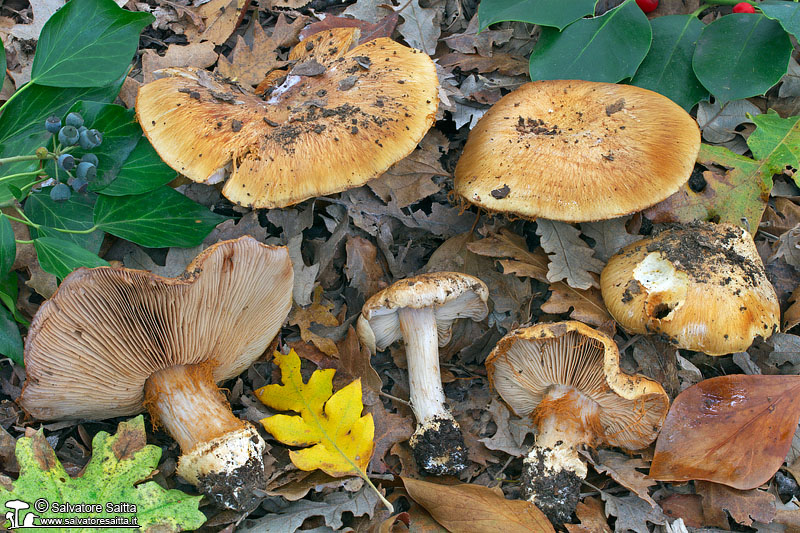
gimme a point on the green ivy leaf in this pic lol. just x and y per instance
(776, 141)
(607, 48)
(60, 257)
(72, 214)
(87, 43)
(8, 245)
(667, 69)
(555, 13)
(22, 125)
(741, 55)
(2, 65)
(786, 13)
(143, 171)
(10, 338)
(161, 218)
(9, 291)
(112, 475)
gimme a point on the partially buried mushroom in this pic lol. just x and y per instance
(421, 311)
(114, 342)
(336, 120)
(577, 151)
(566, 376)
(701, 287)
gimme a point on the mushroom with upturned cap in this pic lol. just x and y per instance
(115, 341)
(332, 123)
(702, 286)
(421, 311)
(577, 151)
(566, 376)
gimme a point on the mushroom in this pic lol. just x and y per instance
(115, 341)
(359, 113)
(566, 376)
(577, 151)
(421, 311)
(701, 286)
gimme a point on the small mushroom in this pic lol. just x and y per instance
(701, 286)
(566, 376)
(330, 109)
(115, 341)
(421, 311)
(577, 151)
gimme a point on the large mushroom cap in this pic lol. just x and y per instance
(452, 295)
(92, 346)
(577, 151)
(333, 123)
(616, 408)
(701, 286)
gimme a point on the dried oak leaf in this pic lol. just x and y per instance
(590, 514)
(744, 506)
(609, 236)
(475, 508)
(316, 313)
(363, 267)
(250, 64)
(570, 257)
(369, 31)
(220, 17)
(788, 247)
(735, 430)
(511, 432)
(506, 64)
(583, 305)
(791, 317)
(420, 27)
(632, 513)
(201, 55)
(622, 469)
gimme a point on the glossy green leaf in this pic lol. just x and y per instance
(10, 338)
(87, 43)
(60, 257)
(608, 48)
(143, 171)
(22, 124)
(786, 13)
(163, 217)
(73, 214)
(9, 290)
(667, 69)
(556, 13)
(741, 55)
(776, 141)
(2, 65)
(8, 245)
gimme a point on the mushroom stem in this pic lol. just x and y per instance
(185, 400)
(437, 443)
(422, 353)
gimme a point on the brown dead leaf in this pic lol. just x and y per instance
(689, 507)
(250, 64)
(791, 317)
(781, 218)
(130, 87)
(571, 259)
(285, 4)
(508, 244)
(355, 359)
(221, 18)
(502, 63)
(471, 41)
(477, 452)
(201, 55)
(590, 514)
(744, 506)
(390, 429)
(511, 432)
(363, 268)
(369, 31)
(583, 305)
(316, 313)
(788, 247)
(42, 11)
(734, 430)
(316, 480)
(475, 508)
(622, 469)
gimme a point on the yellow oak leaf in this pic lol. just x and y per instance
(340, 439)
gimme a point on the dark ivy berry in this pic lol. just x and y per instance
(97, 136)
(90, 139)
(74, 119)
(86, 171)
(79, 185)
(90, 158)
(60, 193)
(52, 124)
(68, 135)
(66, 162)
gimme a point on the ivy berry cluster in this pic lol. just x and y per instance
(70, 135)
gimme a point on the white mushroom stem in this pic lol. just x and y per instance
(422, 353)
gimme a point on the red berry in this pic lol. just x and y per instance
(648, 5)
(743, 7)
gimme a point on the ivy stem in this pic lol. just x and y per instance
(22, 242)
(25, 219)
(16, 158)
(26, 222)
(24, 190)
(77, 231)
(16, 93)
(21, 174)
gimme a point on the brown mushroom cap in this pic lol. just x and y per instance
(622, 410)
(702, 286)
(92, 346)
(577, 151)
(330, 126)
(452, 295)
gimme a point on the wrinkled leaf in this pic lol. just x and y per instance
(745, 66)
(475, 508)
(583, 305)
(719, 123)
(776, 141)
(581, 51)
(667, 68)
(609, 236)
(420, 27)
(590, 513)
(734, 430)
(632, 512)
(316, 313)
(622, 469)
(555, 13)
(570, 257)
(60, 257)
(117, 467)
(791, 317)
